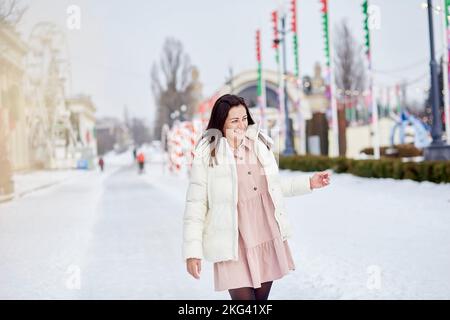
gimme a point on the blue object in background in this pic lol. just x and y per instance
(83, 164)
(422, 131)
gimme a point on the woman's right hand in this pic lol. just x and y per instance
(194, 267)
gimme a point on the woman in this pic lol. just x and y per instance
(235, 215)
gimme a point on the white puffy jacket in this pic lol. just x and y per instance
(210, 228)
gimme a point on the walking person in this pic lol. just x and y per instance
(141, 161)
(101, 163)
(234, 214)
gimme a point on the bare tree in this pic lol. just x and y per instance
(350, 76)
(349, 64)
(170, 82)
(11, 12)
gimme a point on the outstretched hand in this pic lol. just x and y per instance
(320, 180)
(194, 267)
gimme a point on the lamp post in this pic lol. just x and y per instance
(438, 150)
(288, 145)
(183, 109)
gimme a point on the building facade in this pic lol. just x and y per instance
(12, 104)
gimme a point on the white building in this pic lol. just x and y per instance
(12, 106)
(82, 118)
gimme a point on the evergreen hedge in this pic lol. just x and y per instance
(434, 171)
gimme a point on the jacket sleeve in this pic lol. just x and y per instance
(196, 208)
(295, 186)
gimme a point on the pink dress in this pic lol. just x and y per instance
(263, 256)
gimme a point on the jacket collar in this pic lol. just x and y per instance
(223, 150)
(225, 153)
(253, 131)
(246, 143)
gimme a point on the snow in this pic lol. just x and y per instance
(27, 182)
(399, 228)
(117, 235)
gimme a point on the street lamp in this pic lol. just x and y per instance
(438, 150)
(288, 145)
(183, 109)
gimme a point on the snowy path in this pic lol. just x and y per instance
(135, 250)
(43, 234)
(121, 233)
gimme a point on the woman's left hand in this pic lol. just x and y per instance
(319, 180)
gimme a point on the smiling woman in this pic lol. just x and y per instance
(235, 215)
(224, 116)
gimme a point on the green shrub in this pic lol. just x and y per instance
(434, 171)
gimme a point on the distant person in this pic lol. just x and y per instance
(101, 163)
(134, 153)
(141, 161)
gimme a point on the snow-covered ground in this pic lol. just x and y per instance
(30, 181)
(117, 235)
(27, 182)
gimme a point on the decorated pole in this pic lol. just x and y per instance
(276, 47)
(259, 89)
(289, 148)
(388, 100)
(298, 79)
(398, 102)
(330, 77)
(373, 102)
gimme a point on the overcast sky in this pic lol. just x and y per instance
(112, 53)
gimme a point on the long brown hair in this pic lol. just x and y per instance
(221, 109)
(219, 114)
